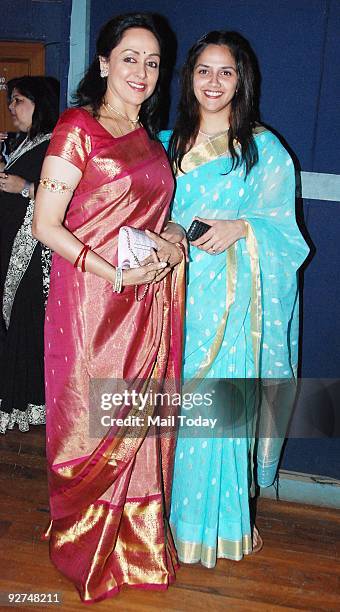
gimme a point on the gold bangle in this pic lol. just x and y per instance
(54, 185)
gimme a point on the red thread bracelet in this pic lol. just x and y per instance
(82, 257)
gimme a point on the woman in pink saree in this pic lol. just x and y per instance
(109, 495)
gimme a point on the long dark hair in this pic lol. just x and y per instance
(92, 87)
(44, 93)
(244, 105)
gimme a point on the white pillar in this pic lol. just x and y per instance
(79, 44)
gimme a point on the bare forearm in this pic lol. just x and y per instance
(59, 181)
(62, 241)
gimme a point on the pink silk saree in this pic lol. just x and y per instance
(109, 496)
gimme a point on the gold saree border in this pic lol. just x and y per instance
(194, 552)
(132, 551)
(210, 150)
(255, 305)
(231, 278)
(256, 295)
(204, 153)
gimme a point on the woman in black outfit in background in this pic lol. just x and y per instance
(24, 262)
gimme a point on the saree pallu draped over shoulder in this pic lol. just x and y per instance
(110, 492)
(241, 331)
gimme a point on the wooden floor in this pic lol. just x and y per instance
(298, 568)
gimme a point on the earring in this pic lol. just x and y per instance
(104, 71)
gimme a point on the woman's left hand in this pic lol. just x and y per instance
(174, 232)
(10, 183)
(166, 251)
(221, 235)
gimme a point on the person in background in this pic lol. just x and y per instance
(3, 152)
(24, 262)
(105, 168)
(242, 301)
(8, 142)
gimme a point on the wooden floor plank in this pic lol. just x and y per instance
(298, 568)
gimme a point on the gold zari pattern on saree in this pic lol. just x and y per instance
(193, 552)
(204, 152)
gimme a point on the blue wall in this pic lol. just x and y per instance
(46, 22)
(297, 44)
(292, 39)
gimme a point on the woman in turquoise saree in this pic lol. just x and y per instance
(242, 298)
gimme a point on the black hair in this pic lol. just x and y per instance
(92, 87)
(244, 105)
(44, 93)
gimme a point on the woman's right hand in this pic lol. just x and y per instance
(152, 272)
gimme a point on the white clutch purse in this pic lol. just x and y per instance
(133, 247)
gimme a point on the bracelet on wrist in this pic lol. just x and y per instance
(25, 191)
(117, 286)
(80, 261)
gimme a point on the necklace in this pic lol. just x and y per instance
(209, 136)
(108, 107)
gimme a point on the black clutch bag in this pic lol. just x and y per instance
(197, 229)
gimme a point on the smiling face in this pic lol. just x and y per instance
(21, 109)
(215, 80)
(133, 69)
